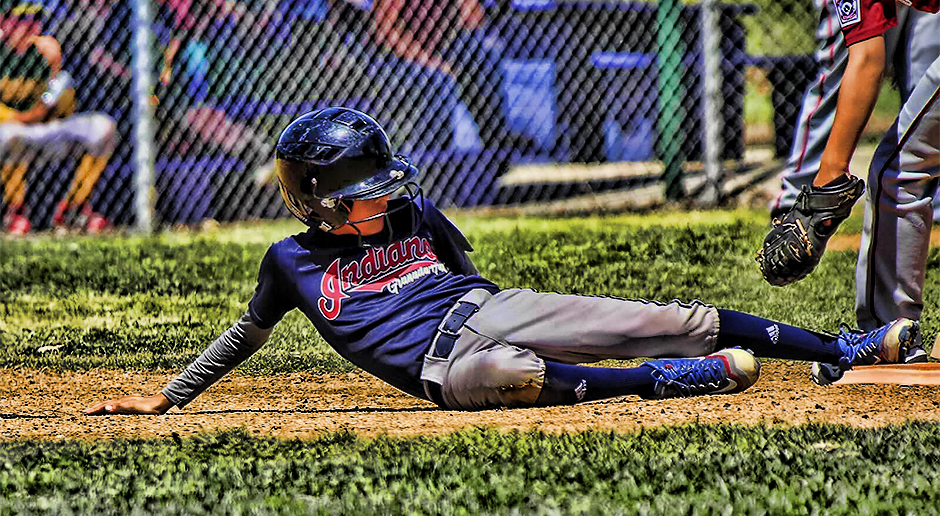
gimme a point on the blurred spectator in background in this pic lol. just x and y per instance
(453, 37)
(353, 53)
(37, 116)
(205, 86)
(107, 26)
(457, 38)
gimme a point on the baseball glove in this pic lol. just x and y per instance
(798, 240)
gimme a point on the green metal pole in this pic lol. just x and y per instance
(671, 116)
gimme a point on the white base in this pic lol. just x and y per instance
(901, 374)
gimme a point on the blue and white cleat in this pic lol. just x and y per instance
(726, 372)
(915, 352)
(895, 342)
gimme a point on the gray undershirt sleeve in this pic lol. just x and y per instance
(233, 347)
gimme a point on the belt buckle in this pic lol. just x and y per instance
(449, 332)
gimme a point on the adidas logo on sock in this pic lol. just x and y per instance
(581, 390)
(774, 332)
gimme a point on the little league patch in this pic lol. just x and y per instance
(848, 12)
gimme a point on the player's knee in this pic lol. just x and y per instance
(106, 134)
(512, 385)
(905, 193)
(699, 328)
(110, 135)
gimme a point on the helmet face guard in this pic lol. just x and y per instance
(334, 155)
(412, 192)
(299, 189)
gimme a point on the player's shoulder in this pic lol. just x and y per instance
(280, 256)
(283, 247)
(402, 211)
(430, 210)
(442, 226)
(428, 203)
(291, 243)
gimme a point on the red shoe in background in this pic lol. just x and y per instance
(96, 223)
(80, 217)
(91, 221)
(14, 222)
(59, 219)
(19, 226)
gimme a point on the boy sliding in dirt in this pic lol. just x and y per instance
(388, 284)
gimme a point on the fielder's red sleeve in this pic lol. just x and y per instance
(864, 19)
(928, 6)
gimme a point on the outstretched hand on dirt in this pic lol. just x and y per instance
(156, 404)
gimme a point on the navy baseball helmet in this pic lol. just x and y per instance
(334, 155)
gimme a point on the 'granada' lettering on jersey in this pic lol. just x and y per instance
(382, 268)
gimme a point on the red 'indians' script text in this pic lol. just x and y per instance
(382, 263)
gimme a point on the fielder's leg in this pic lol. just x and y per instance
(96, 134)
(14, 164)
(13, 175)
(896, 233)
(817, 111)
(917, 49)
(75, 204)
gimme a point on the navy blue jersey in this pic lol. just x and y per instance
(377, 305)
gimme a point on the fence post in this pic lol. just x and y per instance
(712, 103)
(671, 116)
(143, 116)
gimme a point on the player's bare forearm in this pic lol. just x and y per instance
(156, 404)
(857, 96)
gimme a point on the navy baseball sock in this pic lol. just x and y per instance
(567, 384)
(766, 338)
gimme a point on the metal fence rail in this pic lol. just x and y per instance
(197, 91)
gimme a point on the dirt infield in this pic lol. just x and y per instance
(42, 405)
(847, 242)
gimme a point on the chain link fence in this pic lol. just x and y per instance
(481, 94)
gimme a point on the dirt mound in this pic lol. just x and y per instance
(43, 405)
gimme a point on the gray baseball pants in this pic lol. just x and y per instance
(95, 133)
(497, 359)
(892, 260)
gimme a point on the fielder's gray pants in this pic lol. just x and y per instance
(892, 260)
(94, 133)
(911, 47)
(497, 360)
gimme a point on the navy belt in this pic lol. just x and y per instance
(444, 342)
(450, 330)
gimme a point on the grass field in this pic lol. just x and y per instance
(122, 303)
